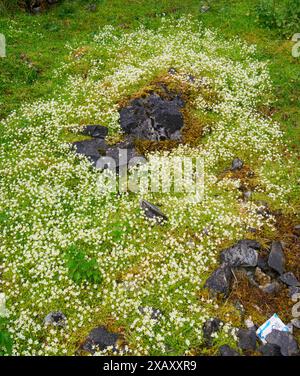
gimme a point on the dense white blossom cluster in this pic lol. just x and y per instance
(49, 197)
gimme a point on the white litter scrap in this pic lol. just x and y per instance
(274, 322)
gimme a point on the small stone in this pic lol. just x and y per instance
(269, 350)
(294, 291)
(262, 263)
(172, 71)
(247, 195)
(99, 339)
(285, 340)
(97, 131)
(276, 259)
(152, 211)
(204, 9)
(290, 279)
(242, 253)
(220, 280)
(226, 350)
(209, 327)
(296, 323)
(56, 318)
(247, 339)
(270, 288)
(237, 164)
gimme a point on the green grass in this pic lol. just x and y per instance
(62, 189)
(43, 38)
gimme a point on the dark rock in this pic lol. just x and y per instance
(99, 339)
(247, 339)
(152, 211)
(285, 340)
(270, 288)
(172, 71)
(209, 327)
(121, 155)
(220, 280)
(262, 263)
(94, 148)
(153, 118)
(289, 279)
(269, 350)
(97, 131)
(237, 164)
(294, 290)
(242, 253)
(276, 259)
(155, 314)
(226, 350)
(56, 318)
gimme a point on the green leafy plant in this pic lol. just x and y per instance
(80, 268)
(6, 342)
(283, 16)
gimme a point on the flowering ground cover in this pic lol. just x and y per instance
(67, 245)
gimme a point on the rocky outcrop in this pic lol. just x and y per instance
(153, 118)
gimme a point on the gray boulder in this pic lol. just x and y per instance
(276, 259)
(290, 279)
(270, 288)
(99, 339)
(247, 338)
(226, 350)
(91, 148)
(285, 340)
(269, 350)
(153, 118)
(220, 280)
(244, 253)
